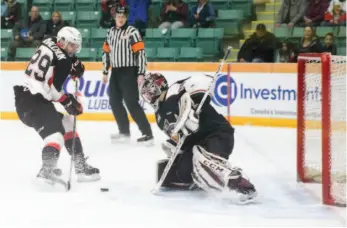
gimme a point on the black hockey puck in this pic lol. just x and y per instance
(104, 189)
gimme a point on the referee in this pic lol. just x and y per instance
(124, 52)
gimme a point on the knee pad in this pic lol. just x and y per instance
(55, 140)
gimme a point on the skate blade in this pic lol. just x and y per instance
(148, 143)
(122, 140)
(46, 185)
(83, 178)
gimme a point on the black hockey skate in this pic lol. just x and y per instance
(84, 171)
(242, 186)
(50, 176)
(146, 140)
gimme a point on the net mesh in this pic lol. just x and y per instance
(313, 125)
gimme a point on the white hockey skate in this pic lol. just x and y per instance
(120, 138)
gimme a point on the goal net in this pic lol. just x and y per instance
(321, 124)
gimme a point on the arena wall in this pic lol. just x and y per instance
(260, 94)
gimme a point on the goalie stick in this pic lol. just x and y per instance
(68, 183)
(182, 139)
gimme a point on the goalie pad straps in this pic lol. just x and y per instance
(211, 172)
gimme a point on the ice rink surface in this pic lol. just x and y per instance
(267, 155)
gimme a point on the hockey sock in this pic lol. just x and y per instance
(68, 137)
(50, 155)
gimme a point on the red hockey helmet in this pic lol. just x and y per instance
(153, 85)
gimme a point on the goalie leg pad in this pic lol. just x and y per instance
(209, 170)
(213, 173)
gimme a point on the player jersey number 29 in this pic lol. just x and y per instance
(38, 66)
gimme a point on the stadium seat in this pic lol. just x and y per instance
(87, 54)
(342, 31)
(154, 13)
(183, 37)
(85, 37)
(341, 51)
(64, 5)
(209, 40)
(244, 5)
(155, 38)
(98, 36)
(190, 54)
(85, 5)
(166, 54)
(230, 21)
(220, 4)
(341, 37)
(322, 31)
(298, 32)
(46, 15)
(69, 17)
(282, 33)
(6, 37)
(87, 19)
(150, 53)
(3, 54)
(44, 5)
(24, 54)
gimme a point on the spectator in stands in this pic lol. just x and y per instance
(315, 12)
(329, 45)
(27, 35)
(291, 12)
(108, 9)
(55, 24)
(138, 14)
(286, 53)
(336, 14)
(174, 15)
(310, 42)
(259, 47)
(10, 13)
(202, 14)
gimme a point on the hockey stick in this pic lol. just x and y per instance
(183, 138)
(68, 184)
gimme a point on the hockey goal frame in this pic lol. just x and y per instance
(326, 176)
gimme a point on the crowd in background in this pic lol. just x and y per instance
(261, 46)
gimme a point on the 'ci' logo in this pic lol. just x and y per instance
(220, 92)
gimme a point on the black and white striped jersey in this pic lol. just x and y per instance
(124, 47)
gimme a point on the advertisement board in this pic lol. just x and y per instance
(254, 97)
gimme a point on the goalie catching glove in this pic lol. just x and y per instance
(187, 122)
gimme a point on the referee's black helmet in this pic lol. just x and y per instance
(122, 10)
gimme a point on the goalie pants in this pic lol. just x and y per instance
(123, 87)
(220, 142)
(37, 112)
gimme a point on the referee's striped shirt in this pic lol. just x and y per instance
(124, 47)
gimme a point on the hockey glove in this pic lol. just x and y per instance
(71, 105)
(77, 69)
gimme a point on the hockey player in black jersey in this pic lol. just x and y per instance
(46, 72)
(203, 159)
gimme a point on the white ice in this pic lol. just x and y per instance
(267, 155)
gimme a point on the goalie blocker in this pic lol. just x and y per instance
(210, 138)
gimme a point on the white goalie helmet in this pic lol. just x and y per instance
(70, 35)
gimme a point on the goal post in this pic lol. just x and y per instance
(321, 124)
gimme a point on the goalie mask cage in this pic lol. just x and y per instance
(321, 124)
